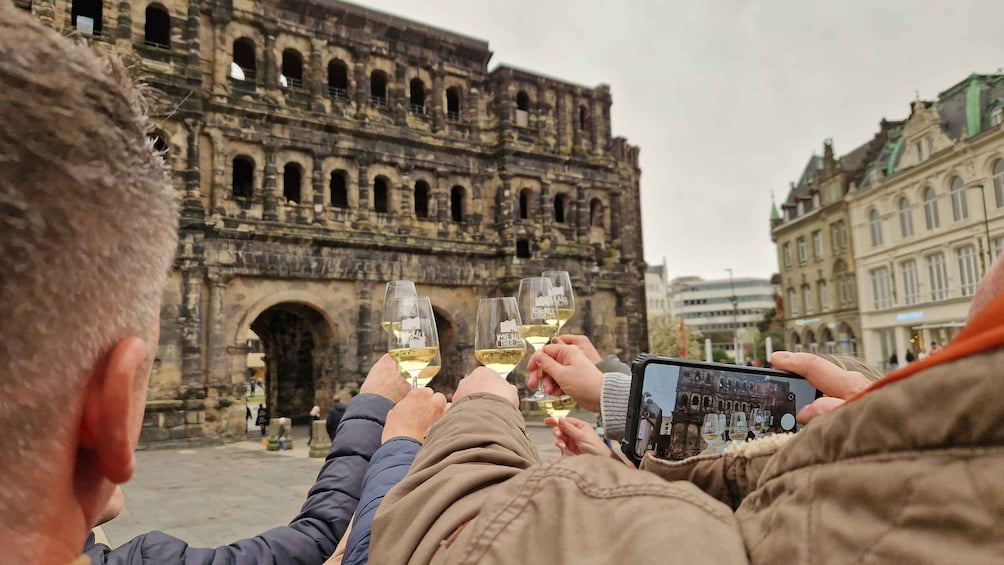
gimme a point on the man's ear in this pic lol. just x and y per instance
(109, 408)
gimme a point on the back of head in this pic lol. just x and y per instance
(88, 228)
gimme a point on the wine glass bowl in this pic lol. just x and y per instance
(538, 310)
(393, 291)
(564, 296)
(498, 335)
(414, 341)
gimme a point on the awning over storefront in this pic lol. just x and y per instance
(939, 326)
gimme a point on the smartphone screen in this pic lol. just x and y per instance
(681, 408)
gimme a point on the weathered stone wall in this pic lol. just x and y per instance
(291, 247)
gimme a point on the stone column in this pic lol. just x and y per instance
(220, 172)
(317, 182)
(615, 216)
(363, 161)
(364, 329)
(193, 65)
(577, 137)
(505, 106)
(45, 10)
(561, 125)
(406, 214)
(902, 339)
(192, 203)
(442, 195)
(224, 56)
(545, 209)
(190, 322)
(218, 374)
(503, 202)
(270, 186)
(595, 115)
(123, 32)
(397, 95)
(581, 214)
(362, 79)
(435, 101)
(540, 116)
(317, 80)
(320, 444)
(269, 61)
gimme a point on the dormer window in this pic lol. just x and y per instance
(997, 116)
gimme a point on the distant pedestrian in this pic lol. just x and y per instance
(253, 383)
(935, 346)
(262, 419)
(893, 361)
(315, 415)
(910, 357)
(281, 434)
(247, 416)
(335, 414)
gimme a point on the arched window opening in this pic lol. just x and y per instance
(292, 175)
(380, 203)
(960, 204)
(421, 199)
(522, 109)
(559, 208)
(875, 226)
(378, 89)
(417, 96)
(523, 248)
(905, 218)
(453, 104)
(339, 190)
(684, 400)
(695, 402)
(157, 29)
(292, 69)
(85, 17)
(583, 117)
(931, 220)
(243, 66)
(596, 213)
(242, 171)
(457, 194)
(338, 80)
(524, 204)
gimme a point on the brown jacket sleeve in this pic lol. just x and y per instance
(727, 477)
(480, 442)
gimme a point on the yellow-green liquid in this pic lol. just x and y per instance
(539, 335)
(565, 314)
(413, 359)
(558, 407)
(426, 375)
(502, 361)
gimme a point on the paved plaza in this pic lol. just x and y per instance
(213, 495)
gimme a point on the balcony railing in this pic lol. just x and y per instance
(453, 116)
(340, 94)
(378, 101)
(418, 110)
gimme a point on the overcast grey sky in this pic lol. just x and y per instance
(728, 99)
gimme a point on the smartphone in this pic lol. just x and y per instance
(679, 408)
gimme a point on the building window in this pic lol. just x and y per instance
(875, 227)
(786, 252)
(960, 204)
(378, 89)
(292, 174)
(243, 177)
(157, 29)
(997, 116)
(560, 200)
(522, 109)
(881, 288)
(523, 248)
(417, 96)
(845, 284)
(817, 244)
(998, 247)
(457, 194)
(243, 66)
(838, 236)
(338, 80)
(807, 299)
(85, 16)
(583, 117)
(969, 270)
(803, 254)
(920, 151)
(596, 213)
(421, 199)
(931, 220)
(792, 303)
(292, 69)
(911, 282)
(998, 172)
(380, 202)
(824, 296)
(524, 203)
(938, 274)
(905, 218)
(339, 190)
(453, 104)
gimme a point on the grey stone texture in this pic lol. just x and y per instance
(304, 190)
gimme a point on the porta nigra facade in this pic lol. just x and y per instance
(322, 149)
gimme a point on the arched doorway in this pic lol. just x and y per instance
(298, 344)
(846, 341)
(453, 367)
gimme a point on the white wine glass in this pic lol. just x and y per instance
(415, 341)
(393, 291)
(564, 297)
(539, 311)
(738, 429)
(758, 419)
(498, 335)
(712, 432)
(430, 371)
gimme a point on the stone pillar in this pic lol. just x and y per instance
(363, 161)
(190, 321)
(397, 95)
(615, 216)
(470, 109)
(45, 10)
(320, 444)
(317, 182)
(123, 32)
(317, 79)
(269, 63)
(193, 178)
(270, 186)
(217, 337)
(364, 329)
(406, 213)
(192, 41)
(540, 116)
(902, 339)
(435, 101)
(441, 192)
(561, 126)
(545, 209)
(581, 215)
(362, 79)
(577, 133)
(595, 114)
(273, 435)
(505, 106)
(221, 84)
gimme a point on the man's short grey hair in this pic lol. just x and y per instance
(88, 228)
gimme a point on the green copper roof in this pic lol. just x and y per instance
(774, 215)
(890, 167)
(973, 110)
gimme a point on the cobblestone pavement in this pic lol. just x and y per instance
(214, 495)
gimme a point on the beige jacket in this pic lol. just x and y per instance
(911, 473)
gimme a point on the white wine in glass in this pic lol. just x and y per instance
(538, 310)
(498, 336)
(416, 344)
(564, 297)
(393, 291)
(430, 371)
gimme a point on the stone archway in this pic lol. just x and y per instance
(453, 367)
(299, 344)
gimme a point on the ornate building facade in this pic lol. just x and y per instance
(322, 149)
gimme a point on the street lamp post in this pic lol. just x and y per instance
(735, 318)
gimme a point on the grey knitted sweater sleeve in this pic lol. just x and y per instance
(614, 404)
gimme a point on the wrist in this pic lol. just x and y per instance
(401, 438)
